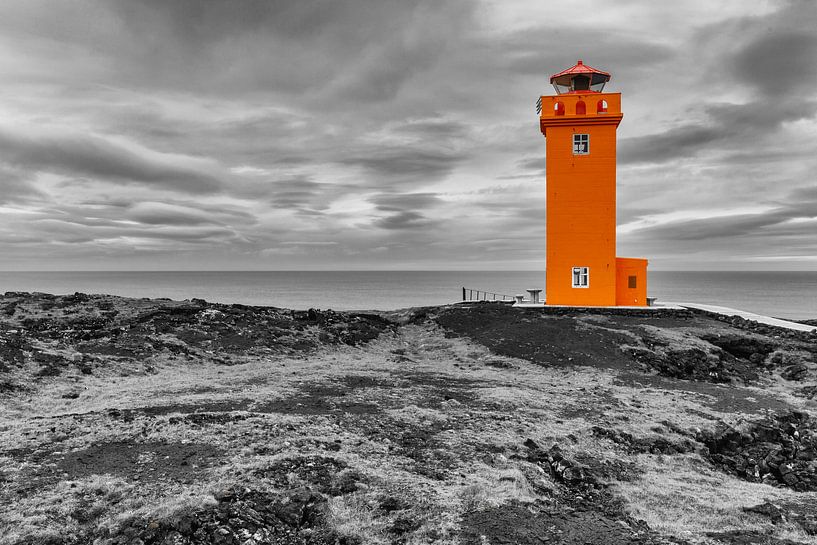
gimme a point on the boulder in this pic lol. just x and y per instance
(795, 372)
(777, 450)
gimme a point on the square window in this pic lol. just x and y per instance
(632, 282)
(581, 277)
(581, 144)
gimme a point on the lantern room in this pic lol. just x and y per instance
(579, 79)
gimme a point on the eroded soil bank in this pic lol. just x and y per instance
(157, 421)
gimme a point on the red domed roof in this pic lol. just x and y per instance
(580, 68)
(564, 79)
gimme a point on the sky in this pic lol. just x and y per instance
(395, 134)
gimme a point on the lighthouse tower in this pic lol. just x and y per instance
(579, 124)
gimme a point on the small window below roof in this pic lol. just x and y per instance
(559, 108)
(601, 107)
(581, 108)
(632, 282)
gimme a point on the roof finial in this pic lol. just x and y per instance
(580, 62)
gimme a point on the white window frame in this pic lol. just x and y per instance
(581, 140)
(580, 277)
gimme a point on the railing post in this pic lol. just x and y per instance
(463, 293)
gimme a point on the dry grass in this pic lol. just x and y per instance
(66, 508)
(352, 516)
(492, 488)
(684, 496)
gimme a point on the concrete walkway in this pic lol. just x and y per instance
(726, 311)
(768, 320)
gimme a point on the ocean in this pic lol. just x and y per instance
(790, 295)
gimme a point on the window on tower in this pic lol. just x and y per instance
(581, 144)
(581, 277)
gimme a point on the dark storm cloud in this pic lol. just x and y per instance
(86, 155)
(404, 220)
(709, 228)
(396, 202)
(116, 204)
(99, 222)
(155, 213)
(400, 164)
(409, 153)
(364, 50)
(779, 68)
(296, 199)
(746, 157)
(384, 74)
(294, 192)
(533, 163)
(78, 231)
(406, 210)
(805, 194)
(791, 215)
(201, 23)
(730, 125)
(434, 128)
(264, 133)
(741, 237)
(15, 186)
(538, 49)
(171, 214)
(302, 194)
(672, 144)
(509, 193)
(762, 115)
(186, 234)
(168, 212)
(780, 64)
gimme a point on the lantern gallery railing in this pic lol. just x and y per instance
(469, 294)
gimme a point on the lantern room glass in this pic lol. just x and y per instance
(578, 83)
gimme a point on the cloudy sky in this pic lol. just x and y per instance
(377, 134)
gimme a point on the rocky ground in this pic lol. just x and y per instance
(165, 422)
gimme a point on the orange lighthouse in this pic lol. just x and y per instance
(579, 124)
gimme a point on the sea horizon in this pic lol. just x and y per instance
(782, 294)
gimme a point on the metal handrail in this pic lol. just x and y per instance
(483, 295)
